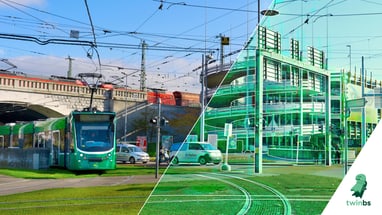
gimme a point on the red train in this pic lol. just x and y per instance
(175, 98)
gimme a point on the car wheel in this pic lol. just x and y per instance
(175, 160)
(132, 160)
(202, 160)
(216, 163)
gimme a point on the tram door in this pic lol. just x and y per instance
(55, 149)
(40, 140)
(2, 141)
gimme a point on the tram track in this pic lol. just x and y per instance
(224, 193)
(248, 199)
(286, 205)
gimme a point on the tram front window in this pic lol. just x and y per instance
(95, 138)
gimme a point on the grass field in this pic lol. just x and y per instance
(126, 199)
(302, 188)
(183, 190)
(53, 173)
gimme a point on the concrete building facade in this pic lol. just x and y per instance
(289, 107)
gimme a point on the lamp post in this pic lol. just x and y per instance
(258, 133)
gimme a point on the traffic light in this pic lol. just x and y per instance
(154, 120)
(163, 121)
(321, 127)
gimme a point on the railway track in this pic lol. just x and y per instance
(287, 209)
(226, 194)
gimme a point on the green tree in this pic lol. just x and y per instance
(182, 123)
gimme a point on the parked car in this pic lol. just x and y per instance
(195, 152)
(131, 153)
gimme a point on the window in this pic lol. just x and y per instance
(194, 146)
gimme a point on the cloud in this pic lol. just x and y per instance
(172, 77)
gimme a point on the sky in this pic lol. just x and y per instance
(177, 34)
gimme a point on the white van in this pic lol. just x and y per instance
(131, 153)
(195, 152)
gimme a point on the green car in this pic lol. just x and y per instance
(195, 152)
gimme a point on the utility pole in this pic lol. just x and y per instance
(69, 73)
(158, 138)
(258, 12)
(125, 126)
(202, 80)
(143, 67)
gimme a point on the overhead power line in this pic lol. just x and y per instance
(104, 45)
(46, 42)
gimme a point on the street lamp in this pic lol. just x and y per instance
(269, 12)
(259, 97)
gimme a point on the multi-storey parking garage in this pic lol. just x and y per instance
(294, 108)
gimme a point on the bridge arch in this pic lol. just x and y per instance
(12, 111)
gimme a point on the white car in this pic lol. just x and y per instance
(195, 152)
(131, 153)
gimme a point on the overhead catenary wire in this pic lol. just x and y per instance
(94, 45)
(74, 20)
(115, 46)
(162, 42)
(28, 14)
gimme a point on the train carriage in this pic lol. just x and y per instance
(92, 141)
(85, 140)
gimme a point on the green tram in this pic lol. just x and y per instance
(84, 140)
